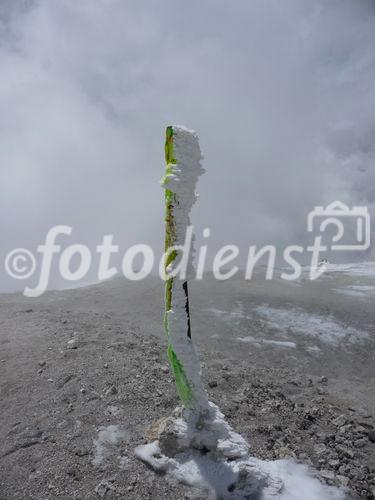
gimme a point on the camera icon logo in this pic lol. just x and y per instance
(335, 215)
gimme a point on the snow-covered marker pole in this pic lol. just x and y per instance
(195, 445)
(183, 157)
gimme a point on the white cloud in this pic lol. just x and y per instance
(281, 95)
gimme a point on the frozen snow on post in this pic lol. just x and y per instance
(183, 158)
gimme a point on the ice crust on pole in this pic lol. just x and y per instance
(183, 157)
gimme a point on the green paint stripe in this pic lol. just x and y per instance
(182, 383)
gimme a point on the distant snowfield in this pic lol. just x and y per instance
(363, 291)
(235, 316)
(291, 320)
(280, 343)
(353, 269)
(363, 279)
(296, 320)
(363, 269)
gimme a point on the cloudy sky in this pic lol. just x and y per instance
(281, 94)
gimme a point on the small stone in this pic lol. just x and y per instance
(165, 369)
(343, 469)
(105, 365)
(327, 474)
(212, 383)
(334, 464)
(42, 363)
(343, 480)
(371, 436)
(346, 452)
(270, 443)
(366, 414)
(339, 439)
(82, 390)
(103, 487)
(169, 438)
(360, 443)
(72, 343)
(63, 379)
(81, 452)
(240, 398)
(344, 429)
(285, 452)
(322, 380)
(360, 430)
(111, 391)
(320, 449)
(74, 473)
(50, 380)
(294, 382)
(339, 421)
(366, 425)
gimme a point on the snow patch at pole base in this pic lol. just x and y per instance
(209, 455)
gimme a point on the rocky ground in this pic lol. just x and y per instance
(84, 375)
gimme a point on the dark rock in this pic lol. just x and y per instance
(103, 487)
(327, 474)
(320, 449)
(360, 443)
(72, 343)
(81, 452)
(111, 391)
(344, 451)
(339, 421)
(64, 379)
(343, 480)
